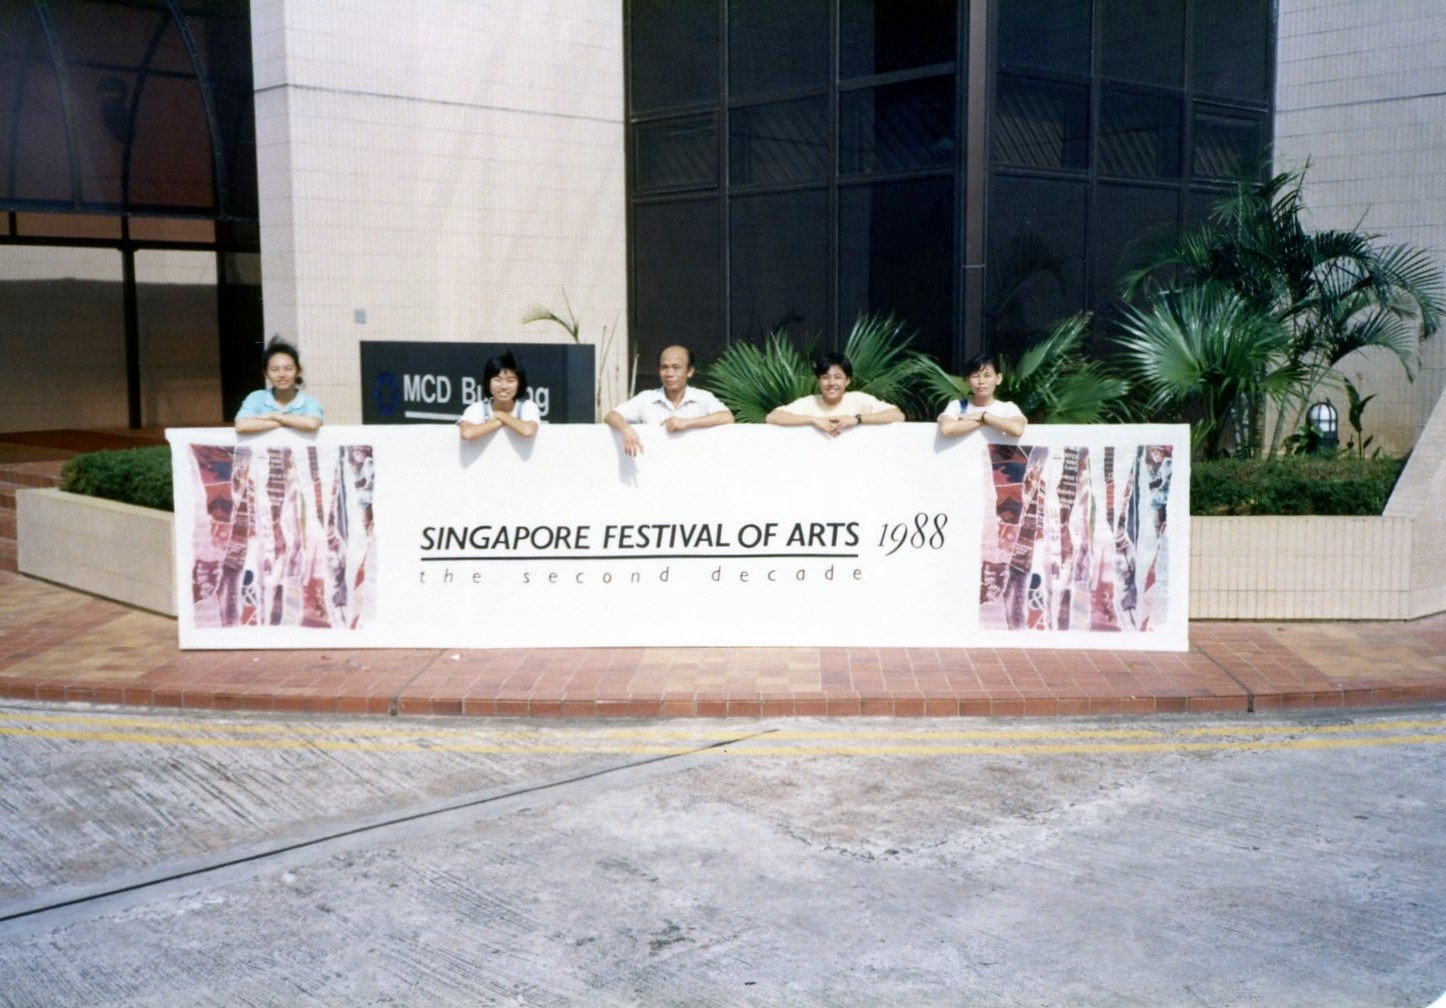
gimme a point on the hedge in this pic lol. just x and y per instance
(133, 476)
(1293, 485)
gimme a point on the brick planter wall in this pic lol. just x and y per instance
(16, 476)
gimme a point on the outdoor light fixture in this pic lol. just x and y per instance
(1323, 418)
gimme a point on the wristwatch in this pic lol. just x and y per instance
(859, 417)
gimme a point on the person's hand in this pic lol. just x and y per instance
(632, 444)
(674, 424)
(831, 426)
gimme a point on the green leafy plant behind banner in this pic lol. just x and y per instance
(754, 379)
(1054, 381)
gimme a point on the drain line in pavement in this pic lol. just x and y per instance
(381, 824)
(1249, 696)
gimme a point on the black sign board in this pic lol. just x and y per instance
(434, 382)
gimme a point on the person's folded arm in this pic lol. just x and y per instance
(471, 431)
(887, 415)
(520, 427)
(782, 418)
(1013, 426)
(714, 419)
(299, 421)
(952, 425)
(255, 424)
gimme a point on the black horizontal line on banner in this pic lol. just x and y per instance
(653, 556)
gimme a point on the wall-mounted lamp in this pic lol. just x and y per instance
(1324, 419)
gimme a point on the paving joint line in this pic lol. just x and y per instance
(225, 862)
(1249, 693)
(394, 707)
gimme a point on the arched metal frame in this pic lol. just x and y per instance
(232, 203)
(226, 203)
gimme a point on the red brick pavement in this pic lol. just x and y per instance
(59, 645)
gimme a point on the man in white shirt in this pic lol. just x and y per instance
(676, 406)
(981, 409)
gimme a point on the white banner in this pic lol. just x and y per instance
(379, 536)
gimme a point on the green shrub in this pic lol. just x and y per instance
(134, 476)
(753, 380)
(1293, 485)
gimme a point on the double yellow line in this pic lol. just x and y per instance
(856, 739)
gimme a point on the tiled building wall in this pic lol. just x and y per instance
(434, 176)
(1301, 568)
(1417, 498)
(1361, 96)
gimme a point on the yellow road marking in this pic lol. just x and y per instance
(1318, 729)
(774, 743)
(715, 731)
(1080, 749)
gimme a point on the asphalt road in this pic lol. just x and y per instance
(180, 859)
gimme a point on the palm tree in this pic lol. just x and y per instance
(754, 379)
(1331, 292)
(1053, 381)
(1198, 354)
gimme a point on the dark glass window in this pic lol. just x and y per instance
(92, 38)
(1143, 41)
(676, 281)
(1229, 144)
(1139, 135)
(145, 126)
(1127, 220)
(779, 143)
(897, 127)
(776, 46)
(676, 154)
(883, 36)
(1199, 203)
(1041, 124)
(1233, 49)
(1106, 117)
(171, 170)
(1045, 35)
(32, 148)
(896, 254)
(779, 265)
(674, 53)
(1036, 258)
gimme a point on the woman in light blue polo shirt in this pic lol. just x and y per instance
(282, 403)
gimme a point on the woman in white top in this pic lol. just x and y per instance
(508, 404)
(835, 409)
(982, 409)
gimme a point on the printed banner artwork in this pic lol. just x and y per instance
(1076, 538)
(283, 536)
(405, 536)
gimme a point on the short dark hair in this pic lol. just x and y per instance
(496, 365)
(981, 361)
(687, 350)
(832, 359)
(280, 346)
